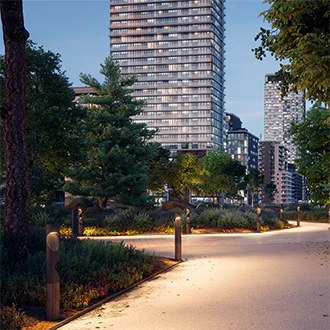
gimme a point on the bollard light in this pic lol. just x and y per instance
(281, 212)
(298, 216)
(187, 221)
(80, 222)
(177, 237)
(53, 280)
(258, 220)
(74, 223)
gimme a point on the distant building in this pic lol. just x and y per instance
(233, 122)
(176, 49)
(280, 113)
(273, 164)
(298, 184)
(241, 145)
(80, 91)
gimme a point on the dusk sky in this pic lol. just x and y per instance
(78, 30)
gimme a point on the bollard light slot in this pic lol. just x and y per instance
(52, 241)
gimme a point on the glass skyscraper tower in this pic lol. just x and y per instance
(176, 49)
(280, 113)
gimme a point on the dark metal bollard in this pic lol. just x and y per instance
(298, 216)
(80, 223)
(177, 237)
(188, 221)
(258, 220)
(53, 280)
(74, 224)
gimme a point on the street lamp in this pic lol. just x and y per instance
(258, 220)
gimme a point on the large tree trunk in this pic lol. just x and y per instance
(13, 121)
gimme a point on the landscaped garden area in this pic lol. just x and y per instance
(90, 270)
(132, 221)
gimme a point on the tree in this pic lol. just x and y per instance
(52, 121)
(18, 185)
(221, 173)
(300, 34)
(159, 166)
(253, 182)
(312, 139)
(270, 190)
(117, 149)
(183, 175)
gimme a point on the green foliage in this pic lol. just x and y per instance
(40, 216)
(52, 122)
(232, 218)
(88, 270)
(159, 168)
(300, 34)
(143, 221)
(117, 150)
(40, 219)
(133, 221)
(270, 218)
(36, 239)
(183, 175)
(270, 190)
(311, 137)
(309, 215)
(11, 318)
(221, 173)
(253, 182)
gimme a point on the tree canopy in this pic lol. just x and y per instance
(300, 34)
(253, 181)
(52, 121)
(312, 139)
(117, 150)
(159, 167)
(183, 175)
(221, 173)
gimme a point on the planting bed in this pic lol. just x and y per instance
(35, 317)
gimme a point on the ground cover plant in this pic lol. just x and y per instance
(235, 218)
(88, 271)
(131, 221)
(307, 213)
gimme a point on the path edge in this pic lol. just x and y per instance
(114, 296)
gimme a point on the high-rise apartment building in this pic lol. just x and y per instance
(273, 164)
(280, 113)
(176, 49)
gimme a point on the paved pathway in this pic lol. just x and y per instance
(269, 281)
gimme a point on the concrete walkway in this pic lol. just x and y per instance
(270, 281)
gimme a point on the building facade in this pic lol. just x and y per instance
(243, 146)
(176, 49)
(240, 143)
(273, 164)
(280, 113)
